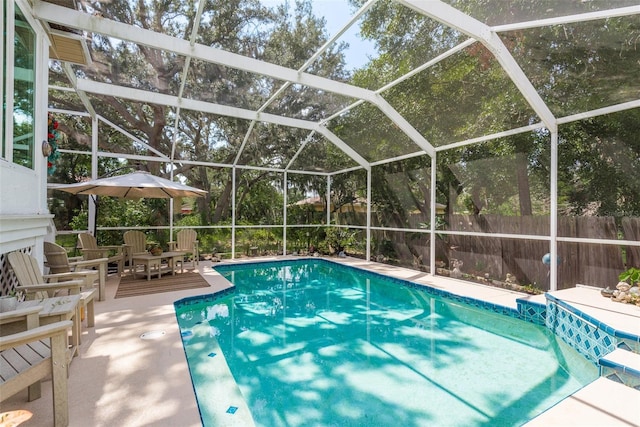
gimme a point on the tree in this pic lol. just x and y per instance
(285, 36)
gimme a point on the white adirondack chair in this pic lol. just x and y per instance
(36, 285)
(35, 353)
(187, 241)
(91, 251)
(135, 243)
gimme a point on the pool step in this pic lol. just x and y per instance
(621, 366)
(601, 403)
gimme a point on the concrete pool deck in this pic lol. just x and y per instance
(120, 379)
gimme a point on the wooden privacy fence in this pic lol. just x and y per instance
(586, 263)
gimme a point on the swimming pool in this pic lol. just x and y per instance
(315, 343)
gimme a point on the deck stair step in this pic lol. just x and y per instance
(622, 366)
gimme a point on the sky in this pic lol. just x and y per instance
(337, 13)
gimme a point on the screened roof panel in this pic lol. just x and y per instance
(371, 133)
(66, 99)
(357, 50)
(154, 15)
(320, 155)
(111, 140)
(207, 137)
(500, 12)
(466, 95)
(223, 85)
(405, 40)
(306, 103)
(443, 84)
(271, 145)
(130, 65)
(581, 67)
(114, 136)
(231, 25)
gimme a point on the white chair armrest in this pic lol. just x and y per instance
(89, 262)
(63, 277)
(35, 334)
(19, 313)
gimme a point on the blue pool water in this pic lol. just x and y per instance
(315, 343)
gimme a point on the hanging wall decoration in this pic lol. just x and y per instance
(53, 137)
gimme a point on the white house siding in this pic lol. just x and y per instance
(24, 217)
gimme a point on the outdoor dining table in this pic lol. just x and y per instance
(56, 309)
(149, 261)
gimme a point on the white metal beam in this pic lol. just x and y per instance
(190, 104)
(185, 73)
(73, 19)
(79, 20)
(193, 162)
(223, 110)
(399, 158)
(600, 111)
(484, 138)
(69, 112)
(570, 19)
(83, 96)
(351, 169)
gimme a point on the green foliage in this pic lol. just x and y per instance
(631, 276)
(532, 289)
(260, 200)
(80, 221)
(385, 247)
(113, 212)
(267, 240)
(215, 240)
(338, 239)
(186, 221)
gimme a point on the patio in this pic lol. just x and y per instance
(120, 379)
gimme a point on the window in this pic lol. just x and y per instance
(23, 92)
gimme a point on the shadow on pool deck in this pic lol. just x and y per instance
(120, 379)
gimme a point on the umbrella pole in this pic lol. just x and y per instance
(93, 215)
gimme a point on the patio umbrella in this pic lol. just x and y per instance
(134, 185)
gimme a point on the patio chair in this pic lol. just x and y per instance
(187, 241)
(32, 354)
(36, 285)
(58, 261)
(135, 243)
(91, 251)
